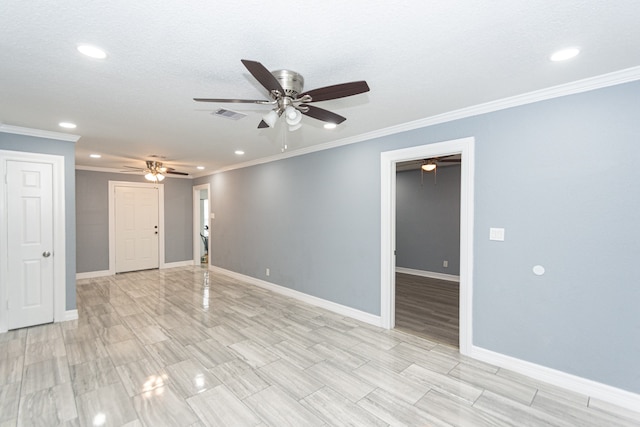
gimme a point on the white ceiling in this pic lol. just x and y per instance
(420, 58)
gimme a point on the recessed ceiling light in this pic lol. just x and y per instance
(67, 125)
(239, 152)
(200, 167)
(95, 156)
(330, 125)
(564, 54)
(92, 51)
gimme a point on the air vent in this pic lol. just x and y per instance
(228, 114)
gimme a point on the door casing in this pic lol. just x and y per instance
(59, 231)
(196, 221)
(388, 160)
(112, 220)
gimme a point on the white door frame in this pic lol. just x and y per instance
(112, 220)
(59, 232)
(388, 160)
(196, 221)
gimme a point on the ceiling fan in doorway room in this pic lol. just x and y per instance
(285, 89)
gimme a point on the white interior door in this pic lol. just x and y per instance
(136, 227)
(30, 243)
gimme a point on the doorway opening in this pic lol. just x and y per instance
(428, 248)
(201, 232)
(389, 160)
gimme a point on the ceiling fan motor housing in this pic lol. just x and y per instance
(291, 82)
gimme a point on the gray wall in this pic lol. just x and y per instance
(66, 149)
(92, 202)
(558, 175)
(428, 220)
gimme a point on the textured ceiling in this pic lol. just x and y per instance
(420, 58)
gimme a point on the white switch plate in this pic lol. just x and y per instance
(213, 216)
(496, 234)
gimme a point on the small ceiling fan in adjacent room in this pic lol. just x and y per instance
(287, 98)
(155, 171)
(430, 164)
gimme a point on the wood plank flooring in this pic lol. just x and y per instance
(187, 347)
(428, 308)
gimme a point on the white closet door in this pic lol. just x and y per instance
(30, 243)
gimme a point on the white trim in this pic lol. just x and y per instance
(343, 310)
(112, 220)
(70, 315)
(429, 274)
(59, 231)
(188, 263)
(579, 86)
(616, 396)
(196, 221)
(388, 160)
(17, 130)
(92, 274)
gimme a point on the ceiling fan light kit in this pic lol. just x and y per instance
(154, 176)
(285, 90)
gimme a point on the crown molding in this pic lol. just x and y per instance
(39, 133)
(585, 85)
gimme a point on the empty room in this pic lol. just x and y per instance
(335, 213)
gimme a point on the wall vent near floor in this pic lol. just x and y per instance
(228, 114)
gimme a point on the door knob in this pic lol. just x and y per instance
(46, 254)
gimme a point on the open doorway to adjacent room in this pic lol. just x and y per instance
(428, 248)
(201, 246)
(422, 296)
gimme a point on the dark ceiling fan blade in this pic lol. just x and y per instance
(322, 114)
(262, 124)
(172, 172)
(337, 91)
(449, 160)
(263, 75)
(245, 101)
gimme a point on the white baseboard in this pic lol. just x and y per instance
(70, 315)
(343, 310)
(430, 274)
(188, 263)
(616, 396)
(92, 274)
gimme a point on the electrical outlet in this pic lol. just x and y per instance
(267, 272)
(445, 263)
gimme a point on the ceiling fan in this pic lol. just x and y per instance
(155, 171)
(430, 164)
(285, 90)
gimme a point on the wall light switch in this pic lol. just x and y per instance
(213, 216)
(496, 234)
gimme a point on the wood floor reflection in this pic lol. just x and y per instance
(428, 308)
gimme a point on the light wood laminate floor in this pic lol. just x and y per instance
(186, 347)
(428, 308)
